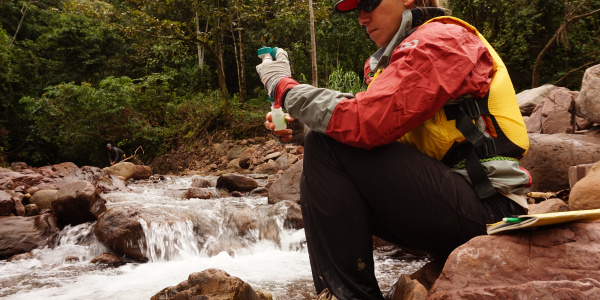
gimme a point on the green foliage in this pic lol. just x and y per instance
(346, 82)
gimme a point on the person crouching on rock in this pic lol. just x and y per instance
(424, 158)
(115, 154)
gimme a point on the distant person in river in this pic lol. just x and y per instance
(424, 158)
(115, 154)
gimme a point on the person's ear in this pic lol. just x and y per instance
(409, 3)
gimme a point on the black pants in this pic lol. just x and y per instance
(394, 192)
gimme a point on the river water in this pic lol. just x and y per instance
(280, 266)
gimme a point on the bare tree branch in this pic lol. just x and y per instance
(559, 31)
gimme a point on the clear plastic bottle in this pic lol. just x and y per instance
(278, 118)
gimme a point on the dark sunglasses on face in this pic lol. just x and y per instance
(367, 5)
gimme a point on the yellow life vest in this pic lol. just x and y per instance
(439, 136)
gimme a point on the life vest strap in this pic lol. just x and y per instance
(477, 145)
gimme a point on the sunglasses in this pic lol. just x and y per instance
(367, 5)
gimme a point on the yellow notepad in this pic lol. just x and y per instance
(528, 221)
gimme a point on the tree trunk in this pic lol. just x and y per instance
(313, 45)
(221, 76)
(23, 12)
(200, 48)
(242, 78)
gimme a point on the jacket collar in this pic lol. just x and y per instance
(411, 19)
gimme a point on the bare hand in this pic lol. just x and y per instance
(284, 135)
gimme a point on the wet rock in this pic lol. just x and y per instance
(585, 194)
(43, 199)
(287, 187)
(22, 256)
(259, 192)
(550, 156)
(107, 259)
(199, 193)
(71, 259)
(235, 182)
(78, 202)
(201, 182)
(587, 103)
(291, 212)
(243, 221)
(120, 228)
(23, 234)
(237, 194)
(210, 284)
(141, 172)
(552, 262)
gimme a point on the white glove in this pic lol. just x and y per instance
(271, 71)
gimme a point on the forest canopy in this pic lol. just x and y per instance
(177, 74)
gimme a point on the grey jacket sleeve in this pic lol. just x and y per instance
(313, 106)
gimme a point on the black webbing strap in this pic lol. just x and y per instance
(477, 145)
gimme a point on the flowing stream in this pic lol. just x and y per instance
(280, 265)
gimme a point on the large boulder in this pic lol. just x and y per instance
(123, 230)
(78, 202)
(550, 156)
(23, 234)
(124, 169)
(287, 187)
(554, 262)
(585, 194)
(211, 284)
(141, 172)
(588, 101)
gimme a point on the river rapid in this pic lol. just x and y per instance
(174, 250)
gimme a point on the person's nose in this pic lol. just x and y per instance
(364, 17)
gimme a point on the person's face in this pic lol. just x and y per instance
(383, 22)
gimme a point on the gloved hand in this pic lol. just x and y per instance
(294, 134)
(271, 71)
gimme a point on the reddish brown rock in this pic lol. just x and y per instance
(554, 262)
(550, 156)
(287, 187)
(235, 182)
(78, 202)
(210, 284)
(199, 193)
(107, 259)
(23, 234)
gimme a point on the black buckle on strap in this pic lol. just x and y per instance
(471, 108)
(487, 149)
